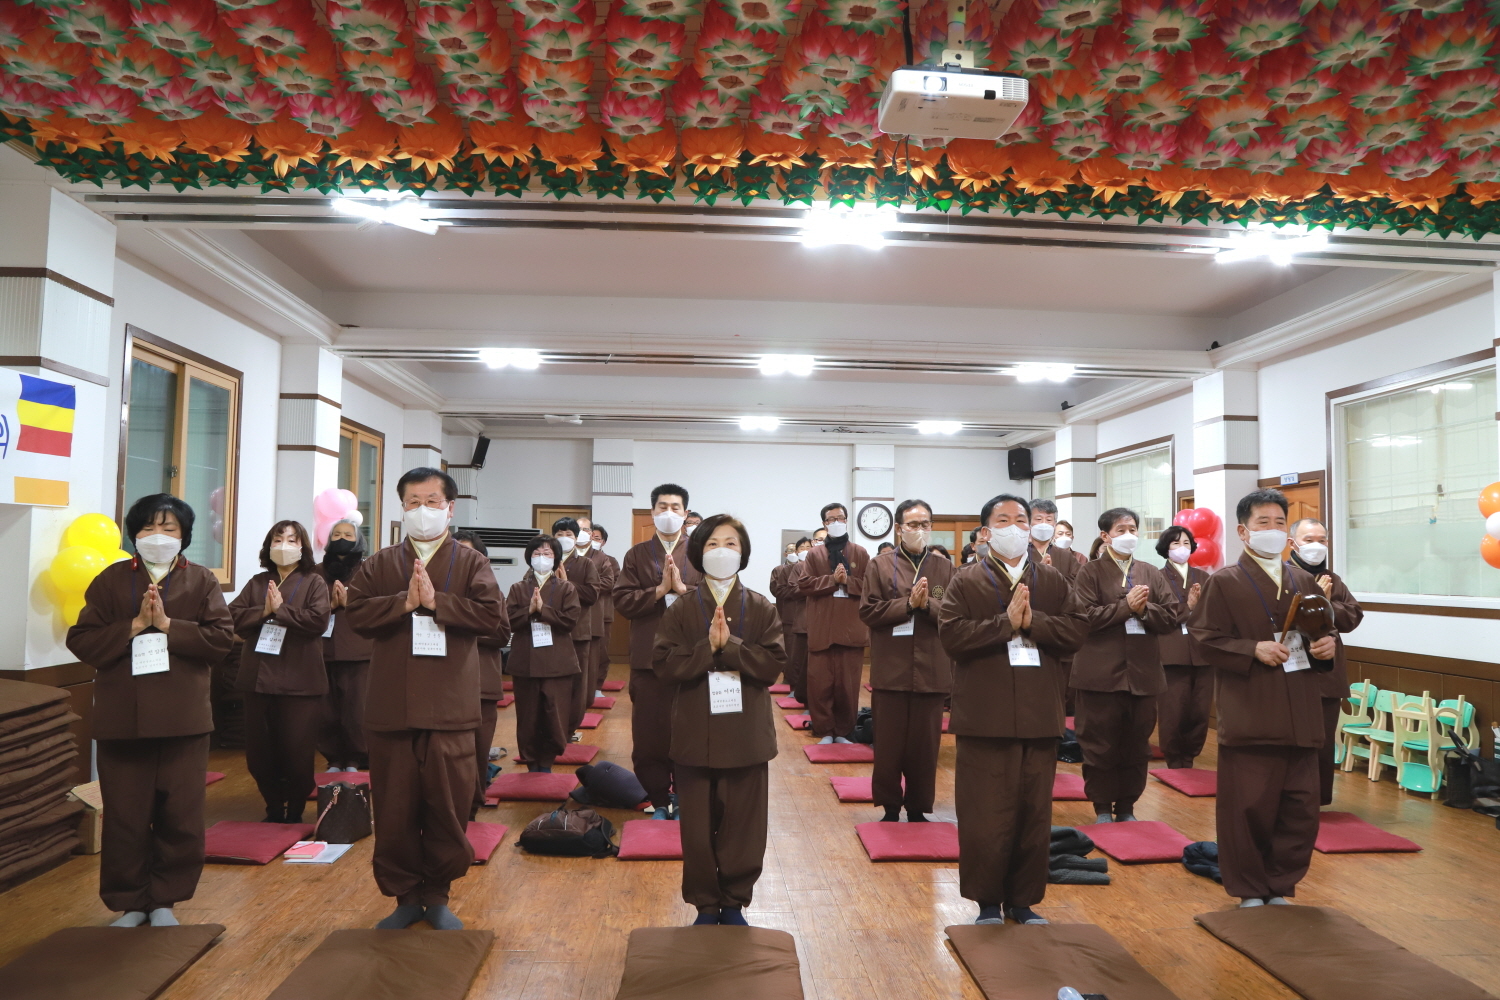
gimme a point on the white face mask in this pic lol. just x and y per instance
(721, 563)
(584, 542)
(286, 555)
(1313, 553)
(916, 540)
(689, 528)
(1063, 541)
(425, 523)
(668, 522)
(1010, 541)
(1042, 531)
(1179, 553)
(541, 565)
(837, 529)
(1268, 544)
(791, 557)
(567, 544)
(802, 556)
(1125, 544)
(158, 548)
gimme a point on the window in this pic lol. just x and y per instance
(1412, 464)
(1044, 487)
(361, 461)
(182, 437)
(1142, 482)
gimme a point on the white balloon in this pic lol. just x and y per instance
(354, 517)
(1492, 525)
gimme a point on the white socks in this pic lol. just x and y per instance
(162, 917)
(133, 918)
(825, 741)
(1245, 904)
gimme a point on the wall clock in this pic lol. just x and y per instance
(875, 520)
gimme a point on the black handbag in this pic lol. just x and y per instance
(343, 813)
(1471, 781)
(864, 727)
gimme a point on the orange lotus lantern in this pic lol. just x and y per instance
(1036, 169)
(776, 149)
(217, 136)
(977, 164)
(504, 141)
(578, 150)
(152, 138)
(1296, 184)
(1362, 183)
(1172, 183)
(72, 134)
(1233, 187)
(1107, 176)
(908, 157)
(1423, 192)
(710, 150)
(368, 144)
(432, 147)
(838, 153)
(288, 144)
(646, 154)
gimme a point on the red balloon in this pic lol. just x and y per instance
(1489, 548)
(1209, 520)
(1207, 554)
(1185, 518)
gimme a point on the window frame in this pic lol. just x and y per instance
(359, 433)
(1134, 451)
(186, 365)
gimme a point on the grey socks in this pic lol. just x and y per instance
(401, 918)
(133, 918)
(162, 917)
(443, 919)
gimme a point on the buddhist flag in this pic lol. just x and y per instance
(36, 439)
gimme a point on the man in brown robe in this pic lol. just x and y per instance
(1117, 671)
(910, 674)
(423, 703)
(1006, 622)
(543, 610)
(832, 581)
(579, 570)
(1270, 721)
(1182, 710)
(654, 576)
(791, 607)
(603, 611)
(1310, 552)
(1043, 528)
(491, 685)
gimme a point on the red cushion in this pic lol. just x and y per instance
(329, 777)
(1067, 787)
(237, 842)
(506, 702)
(508, 685)
(1188, 780)
(591, 720)
(484, 838)
(799, 721)
(613, 686)
(868, 687)
(603, 701)
(789, 702)
(928, 841)
(1346, 833)
(854, 789)
(577, 753)
(840, 753)
(1156, 753)
(780, 689)
(1143, 840)
(945, 723)
(1069, 723)
(651, 840)
(210, 777)
(531, 786)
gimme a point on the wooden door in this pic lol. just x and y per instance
(951, 531)
(544, 515)
(641, 526)
(1303, 500)
(641, 529)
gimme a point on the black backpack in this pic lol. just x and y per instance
(864, 727)
(1068, 750)
(570, 833)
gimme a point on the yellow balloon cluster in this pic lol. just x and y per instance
(89, 544)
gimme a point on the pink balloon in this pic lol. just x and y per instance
(216, 501)
(334, 504)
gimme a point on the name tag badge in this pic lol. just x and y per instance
(1298, 660)
(328, 632)
(1023, 652)
(671, 598)
(271, 638)
(1134, 626)
(148, 654)
(541, 635)
(724, 696)
(907, 627)
(427, 637)
(841, 592)
(1184, 630)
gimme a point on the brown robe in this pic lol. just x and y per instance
(836, 638)
(911, 677)
(720, 760)
(1270, 728)
(792, 607)
(584, 576)
(1007, 720)
(491, 690)
(1334, 684)
(604, 614)
(545, 676)
(650, 698)
(346, 659)
(152, 730)
(1183, 709)
(1062, 559)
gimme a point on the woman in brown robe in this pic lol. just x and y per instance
(346, 658)
(721, 647)
(282, 614)
(152, 719)
(1183, 708)
(543, 609)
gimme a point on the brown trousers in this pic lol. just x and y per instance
(723, 818)
(1267, 813)
(1182, 713)
(484, 738)
(651, 734)
(544, 707)
(582, 690)
(281, 734)
(833, 689)
(908, 734)
(1114, 733)
(599, 672)
(1331, 707)
(422, 781)
(153, 820)
(1002, 790)
(796, 664)
(342, 738)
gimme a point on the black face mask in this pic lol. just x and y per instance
(341, 546)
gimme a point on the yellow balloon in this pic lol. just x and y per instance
(117, 555)
(75, 567)
(92, 531)
(72, 606)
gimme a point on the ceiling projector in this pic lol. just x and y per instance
(951, 102)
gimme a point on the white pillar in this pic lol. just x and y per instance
(613, 493)
(874, 482)
(460, 451)
(1226, 447)
(1078, 478)
(307, 432)
(422, 440)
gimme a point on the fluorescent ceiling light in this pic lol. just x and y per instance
(787, 364)
(511, 357)
(401, 210)
(1278, 249)
(1030, 372)
(939, 427)
(840, 225)
(759, 423)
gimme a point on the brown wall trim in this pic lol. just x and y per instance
(136, 333)
(1071, 496)
(429, 447)
(1478, 669)
(37, 361)
(1413, 373)
(308, 447)
(61, 675)
(1438, 610)
(1303, 479)
(1227, 416)
(356, 425)
(1069, 461)
(1142, 446)
(1049, 470)
(467, 496)
(312, 395)
(66, 282)
(1226, 468)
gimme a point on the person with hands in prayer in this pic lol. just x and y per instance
(832, 581)
(576, 568)
(543, 610)
(346, 657)
(1182, 709)
(1044, 536)
(718, 651)
(152, 627)
(601, 613)
(491, 685)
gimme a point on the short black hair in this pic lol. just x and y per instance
(692, 514)
(943, 550)
(1259, 498)
(995, 501)
(823, 514)
(145, 511)
(306, 563)
(420, 475)
(706, 530)
(1066, 524)
(547, 540)
(1174, 534)
(965, 553)
(604, 534)
(1044, 507)
(565, 524)
(883, 546)
(973, 535)
(804, 540)
(1115, 515)
(472, 537)
(906, 505)
(669, 490)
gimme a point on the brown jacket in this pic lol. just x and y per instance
(1177, 647)
(603, 610)
(174, 703)
(635, 593)
(345, 643)
(424, 692)
(991, 697)
(1347, 614)
(1062, 560)
(560, 612)
(683, 657)
(298, 668)
(790, 604)
(1258, 705)
(492, 662)
(584, 576)
(1111, 659)
(916, 662)
(833, 621)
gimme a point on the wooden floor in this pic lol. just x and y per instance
(863, 930)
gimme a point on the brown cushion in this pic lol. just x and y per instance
(20, 697)
(369, 964)
(690, 963)
(106, 963)
(1324, 954)
(1019, 962)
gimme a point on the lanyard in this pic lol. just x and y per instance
(1291, 592)
(999, 590)
(545, 598)
(452, 559)
(738, 630)
(916, 573)
(135, 597)
(289, 597)
(657, 563)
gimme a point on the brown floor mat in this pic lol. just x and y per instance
(693, 963)
(1017, 962)
(105, 963)
(1324, 954)
(389, 965)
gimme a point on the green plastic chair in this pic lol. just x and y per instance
(1419, 755)
(1462, 719)
(1356, 720)
(1383, 741)
(1378, 731)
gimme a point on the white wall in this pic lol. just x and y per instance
(1169, 416)
(519, 472)
(954, 480)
